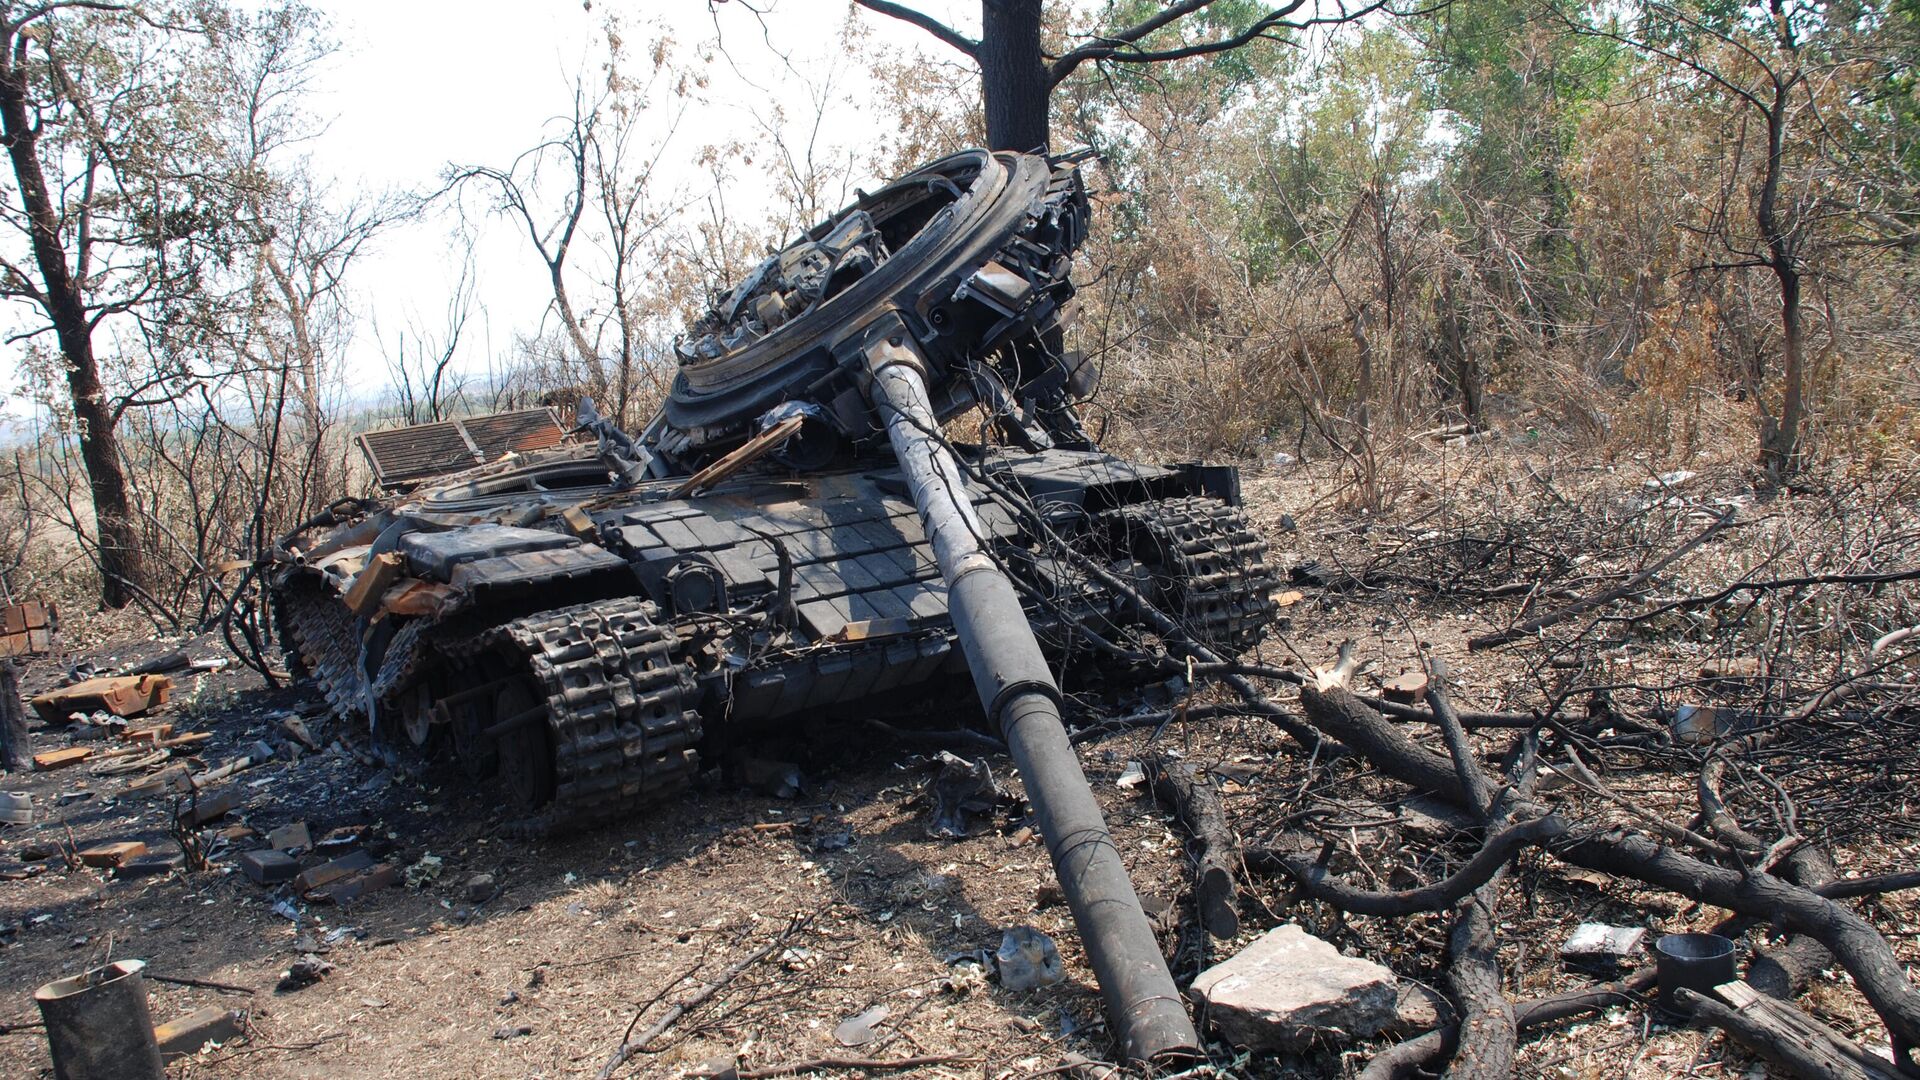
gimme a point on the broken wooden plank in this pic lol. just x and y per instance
(188, 739)
(107, 856)
(26, 629)
(1786, 1036)
(363, 596)
(60, 759)
(184, 1037)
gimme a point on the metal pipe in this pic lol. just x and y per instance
(1017, 689)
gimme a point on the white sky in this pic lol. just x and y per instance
(419, 84)
(422, 83)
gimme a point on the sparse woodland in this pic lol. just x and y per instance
(1572, 353)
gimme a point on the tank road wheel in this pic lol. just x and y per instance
(468, 713)
(601, 720)
(416, 713)
(1207, 566)
(525, 749)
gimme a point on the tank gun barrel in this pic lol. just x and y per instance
(1017, 689)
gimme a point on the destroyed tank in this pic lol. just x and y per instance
(587, 617)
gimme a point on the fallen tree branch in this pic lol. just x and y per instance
(1626, 588)
(1783, 1035)
(1401, 1059)
(1320, 884)
(1488, 1029)
(1859, 947)
(201, 984)
(1195, 798)
(1845, 888)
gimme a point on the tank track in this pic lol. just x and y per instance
(1209, 563)
(619, 701)
(320, 640)
(619, 707)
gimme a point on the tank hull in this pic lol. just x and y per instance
(770, 597)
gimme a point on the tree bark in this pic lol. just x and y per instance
(1195, 796)
(16, 746)
(65, 306)
(1014, 83)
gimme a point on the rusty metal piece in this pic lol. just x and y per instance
(402, 457)
(121, 695)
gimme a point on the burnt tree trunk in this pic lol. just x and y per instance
(1014, 83)
(1780, 438)
(61, 298)
(16, 746)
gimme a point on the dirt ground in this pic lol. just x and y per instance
(581, 941)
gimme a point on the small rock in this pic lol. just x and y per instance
(1289, 987)
(1698, 725)
(1131, 777)
(862, 1029)
(304, 973)
(512, 1031)
(1028, 959)
(480, 888)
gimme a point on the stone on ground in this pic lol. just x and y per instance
(1289, 989)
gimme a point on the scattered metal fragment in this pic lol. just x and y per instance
(960, 788)
(303, 973)
(1027, 959)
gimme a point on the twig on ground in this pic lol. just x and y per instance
(878, 1064)
(631, 1046)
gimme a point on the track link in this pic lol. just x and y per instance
(619, 707)
(1209, 566)
(322, 641)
